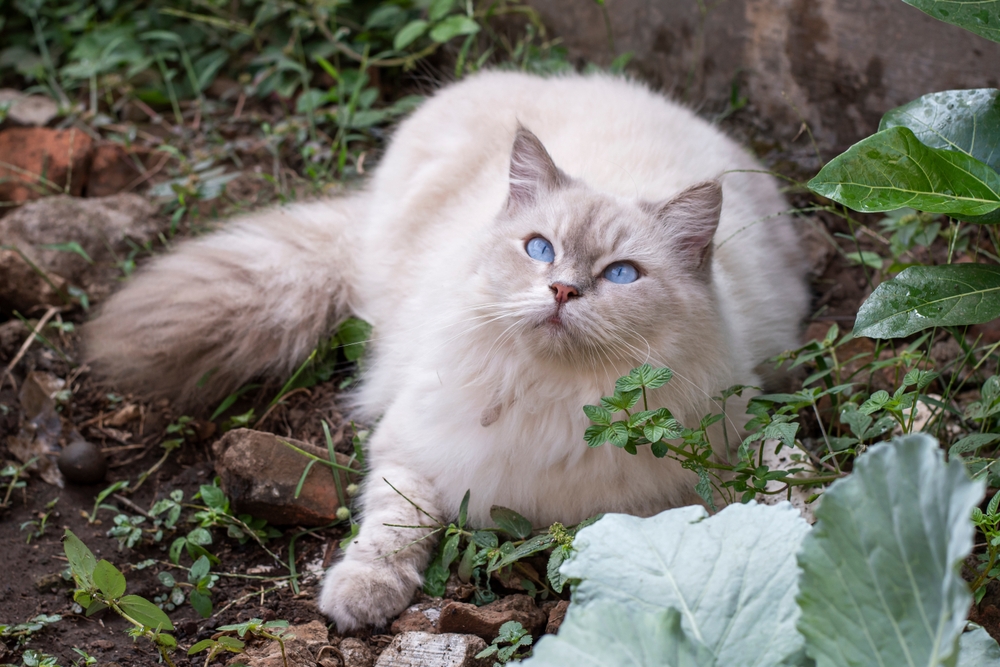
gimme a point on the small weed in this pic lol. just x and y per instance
(222, 642)
(988, 568)
(36, 527)
(23, 632)
(480, 555)
(100, 585)
(14, 472)
(517, 641)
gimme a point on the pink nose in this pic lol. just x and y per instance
(563, 292)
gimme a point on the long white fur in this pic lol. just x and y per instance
(471, 389)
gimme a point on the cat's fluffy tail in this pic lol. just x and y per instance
(250, 300)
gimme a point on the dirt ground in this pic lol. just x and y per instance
(32, 581)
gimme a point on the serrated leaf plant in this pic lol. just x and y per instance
(717, 477)
(100, 585)
(478, 556)
(875, 582)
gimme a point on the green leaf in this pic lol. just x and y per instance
(449, 550)
(81, 559)
(783, 432)
(617, 434)
(981, 17)
(704, 488)
(972, 442)
(463, 509)
(927, 296)
(485, 539)
(409, 34)
(732, 575)
(467, 564)
(644, 376)
(977, 648)
(145, 612)
(199, 536)
(213, 497)
(199, 569)
(880, 580)
(354, 333)
(435, 578)
(71, 246)
(615, 634)
(892, 169)
(556, 559)
(202, 603)
(201, 646)
(533, 546)
(510, 522)
(439, 9)
(622, 400)
(452, 27)
(960, 120)
(109, 580)
(598, 414)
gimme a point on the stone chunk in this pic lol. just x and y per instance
(96, 225)
(355, 653)
(485, 621)
(22, 287)
(40, 161)
(556, 616)
(260, 475)
(422, 649)
(28, 109)
(421, 617)
(302, 644)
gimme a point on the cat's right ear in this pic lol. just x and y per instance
(532, 170)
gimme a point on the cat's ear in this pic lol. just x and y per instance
(691, 218)
(532, 171)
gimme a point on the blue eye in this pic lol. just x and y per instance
(540, 249)
(621, 273)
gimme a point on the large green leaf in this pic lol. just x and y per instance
(978, 649)
(611, 634)
(960, 120)
(893, 169)
(926, 296)
(979, 16)
(732, 576)
(880, 580)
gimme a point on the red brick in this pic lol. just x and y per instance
(30, 154)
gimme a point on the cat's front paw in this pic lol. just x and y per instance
(357, 593)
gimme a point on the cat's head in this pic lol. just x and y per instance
(570, 272)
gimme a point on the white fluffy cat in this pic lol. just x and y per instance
(507, 289)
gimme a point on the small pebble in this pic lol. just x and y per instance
(83, 463)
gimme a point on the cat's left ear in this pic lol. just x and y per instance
(532, 170)
(691, 219)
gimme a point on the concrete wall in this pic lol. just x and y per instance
(838, 64)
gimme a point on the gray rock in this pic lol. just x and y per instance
(28, 109)
(355, 653)
(422, 649)
(98, 226)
